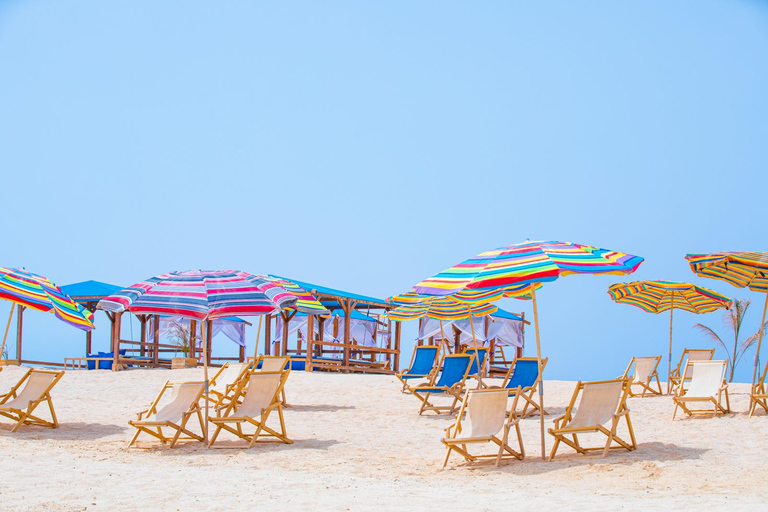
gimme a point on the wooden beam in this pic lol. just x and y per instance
(310, 339)
(156, 340)
(143, 335)
(193, 339)
(397, 347)
(19, 330)
(208, 340)
(116, 342)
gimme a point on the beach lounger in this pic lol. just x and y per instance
(423, 362)
(758, 396)
(259, 398)
(487, 415)
(223, 384)
(185, 402)
(706, 390)
(524, 373)
(451, 381)
(274, 364)
(477, 370)
(601, 402)
(689, 355)
(645, 372)
(19, 403)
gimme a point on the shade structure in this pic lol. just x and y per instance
(742, 269)
(660, 296)
(507, 269)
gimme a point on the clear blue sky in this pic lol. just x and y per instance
(366, 147)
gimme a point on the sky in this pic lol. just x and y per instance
(368, 145)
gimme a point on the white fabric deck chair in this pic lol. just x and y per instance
(275, 364)
(645, 372)
(185, 402)
(689, 355)
(487, 415)
(19, 405)
(601, 402)
(225, 381)
(758, 396)
(259, 398)
(705, 392)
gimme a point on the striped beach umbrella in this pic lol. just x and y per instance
(507, 268)
(660, 296)
(742, 269)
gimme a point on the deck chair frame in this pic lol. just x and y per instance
(678, 378)
(714, 403)
(459, 445)
(481, 365)
(528, 393)
(262, 430)
(25, 416)
(561, 432)
(647, 385)
(424, 391)
(155, 428)
(216, 397)
(758, 396)
(404, 376)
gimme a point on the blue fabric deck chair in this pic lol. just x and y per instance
(477, 371)
(524, 373)
(455, 369)
(423, 363)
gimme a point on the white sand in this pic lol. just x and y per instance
(360, 445)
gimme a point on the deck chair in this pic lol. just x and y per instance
(487, 415)
(689, 354)
(758, 396)
(705, 392)
(452, 379)
(275, 364)
(19, 405)
(259, 398)
(185, 403)
(222, 385)
(645, 372)
(423, 362)
(524, 373)
(477, 371)
(601, 402)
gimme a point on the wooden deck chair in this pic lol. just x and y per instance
(477, 370)
(645, 372)
(259, 398)
(601, 402)
(487, 415)
(689, 354)
(524, 373)
(706, 390)
(275, 364)
(223, 384)
(758, 396)
(452, 379)
(423, 365)
(19, 405)
(185, 403)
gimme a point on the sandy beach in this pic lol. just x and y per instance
(360, 445)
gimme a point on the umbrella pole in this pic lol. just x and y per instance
(669, 357)
(442, 336)
(541, 379)
(205, 376)
(759, 341)
(8, 326)
(258, 337)
(474, 344)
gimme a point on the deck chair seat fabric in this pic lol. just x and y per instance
(455, 370)
(185, 403)
(645, 370)
(422, 364)
(19, 405)
(597, 406)
(706, 388)
(479, 362)
(683, 367)
(524, 373)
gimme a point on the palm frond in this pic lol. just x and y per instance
(712, 335)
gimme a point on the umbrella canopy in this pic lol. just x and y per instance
(209, 294)
(659, 296)
(413, 306)
(37, 292)
(506, 269)
(740, 268)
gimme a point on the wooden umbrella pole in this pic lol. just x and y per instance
(759, 341)
(472, 325)
(205, 377)
(541, 379)
(474, 344)
(8, 326)
(442, 335)
(258, 337)
(669, 357)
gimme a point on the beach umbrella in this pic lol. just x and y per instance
(660, 296)
(509, 267)
(37, 292)
(209, 294)
(741, 269)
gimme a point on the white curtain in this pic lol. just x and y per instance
(232, 329)
(466, 330)
(507, 332)
(431, 327)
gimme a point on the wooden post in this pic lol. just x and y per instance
(541, 376)
(258, 337)
(669, 357)
(143, 335)
(7, 327)
(193, 339)
(520, 350)
(267, 335)
(156, 340)
(759, 341)
(205, 377)
(89, 334)
(348, 305)
(116, 342)
(397, 346)
(321, 336)
(19, 330)
(456, 340)
(310, 340)
(208, 343)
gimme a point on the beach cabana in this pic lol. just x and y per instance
(356, 338)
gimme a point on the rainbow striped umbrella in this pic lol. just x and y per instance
(741, 269)
(413, 306)
(508, 268)
(659, 296)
